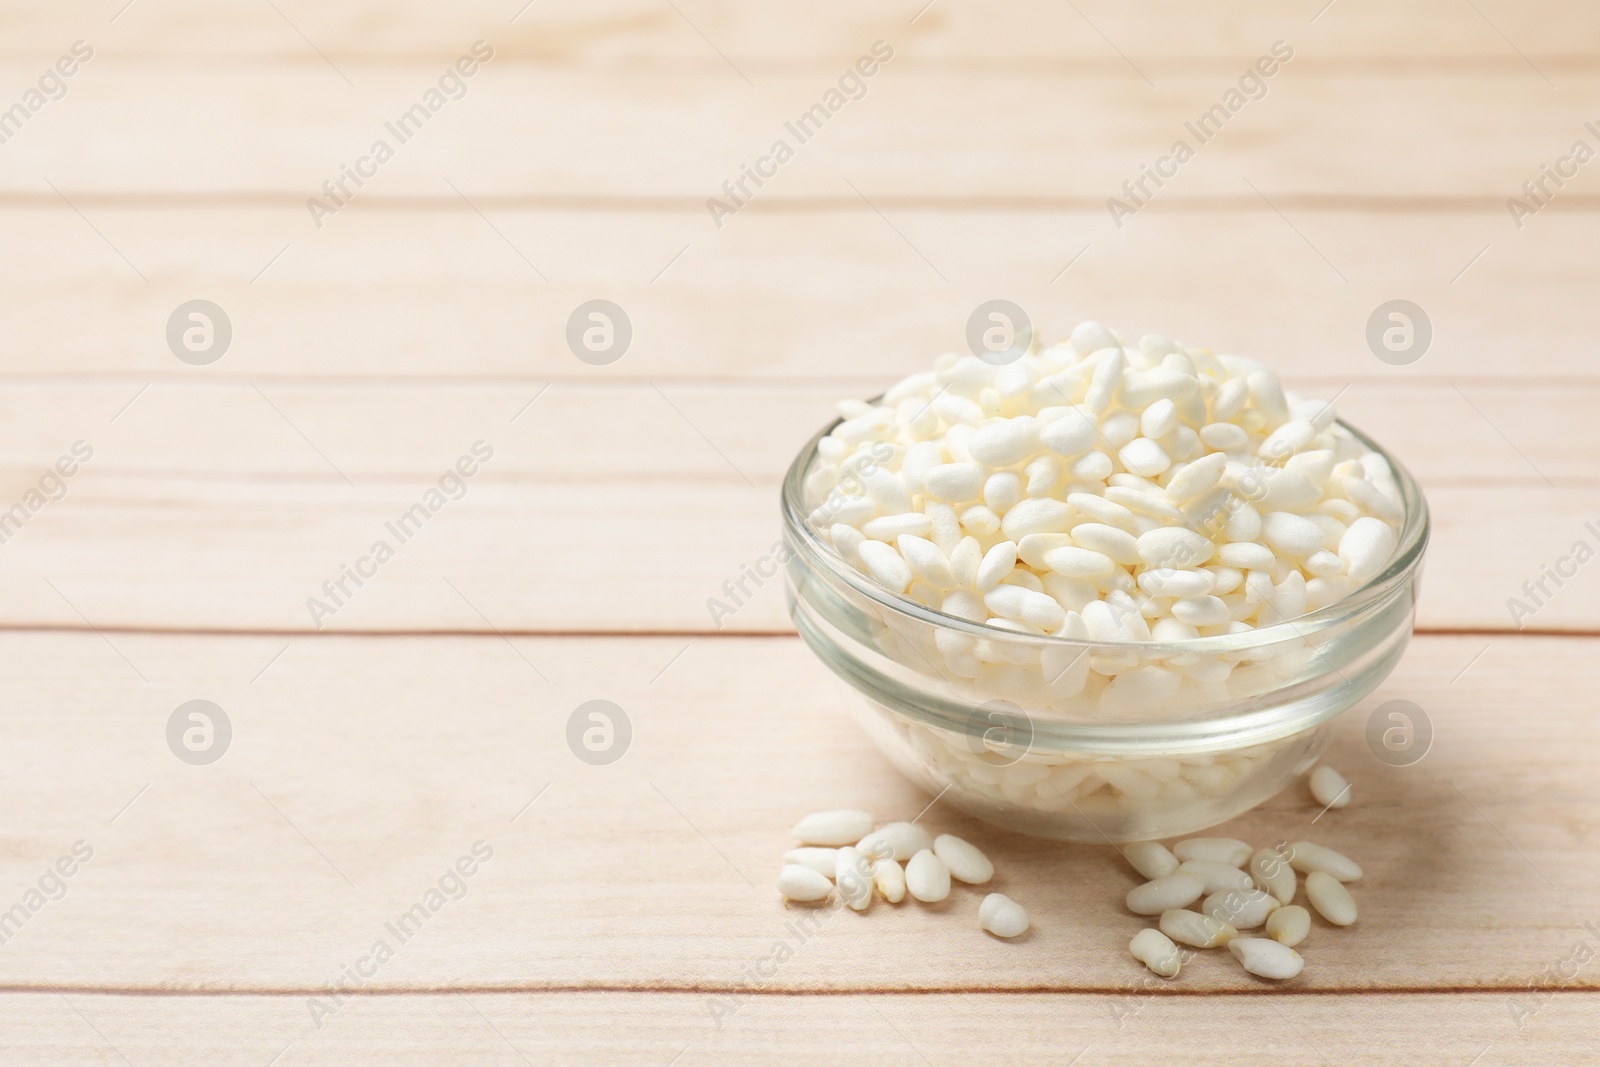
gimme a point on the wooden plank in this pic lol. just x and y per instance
(362, 769)
(585, 430)
(167, 553)
(226, 505)
(834, 293)
(522, 130)
(950, 30)
(977, 1028)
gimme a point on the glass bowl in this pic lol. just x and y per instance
(1093, 740)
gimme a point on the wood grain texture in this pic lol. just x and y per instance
(543, 557)
(361, 769)
(621, 507)
(1154, 32)
(529, 131)
(976, 1028)
(588, 431)
(831, 293)
(627, 910)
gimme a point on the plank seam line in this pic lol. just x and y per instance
(190, 631)
(1572, 203)
(717, 990)
(508, 479)
(1062, 66)
(91, 379)
(47, 379)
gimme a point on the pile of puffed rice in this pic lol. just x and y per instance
(840, 849)
(1097, 490)
(1235, 899)
(1242, 888)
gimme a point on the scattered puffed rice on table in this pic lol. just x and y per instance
(1164, 894)
(1266, 958)
(927, 877)
(1150, 858)
(1245, 909)
(1237, 900)
(1215, 877)
(853, 876)
(1309, 859)
(843, 827)
(821, 860)
(1156, 951)
(1270, 870)
(966, 863)
(1196, 930)
(871, 866)
(1329, 788)
(897, 841)
(1331, 899)
(802, 883)
(1259, 895)
(890, 879)
(1002, 916)
(1233, 852)
(1289, 925)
